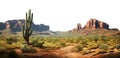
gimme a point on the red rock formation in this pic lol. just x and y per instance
(78, 28)
(96, 24)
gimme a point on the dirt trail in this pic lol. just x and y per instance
(74, 55)
(65, 52)
(69, 54)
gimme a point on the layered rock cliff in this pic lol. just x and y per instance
(96, 24)
(15, 26)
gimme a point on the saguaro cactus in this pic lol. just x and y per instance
(26, 28)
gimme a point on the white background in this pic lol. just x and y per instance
(62, 15)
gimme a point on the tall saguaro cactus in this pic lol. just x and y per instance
(26, 28)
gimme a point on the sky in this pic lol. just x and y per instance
(62, 15)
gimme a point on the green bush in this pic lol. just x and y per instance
(102, 51)
(85, 51)
(84, 41)
(104, 39)
(28, 49)
(3, 55)
(3, 50)
(103, 46)
(63, 44)
(12, 54)
(16, 45)
(95, 38)
(11, 40)
(77, 48)
(34, 40)
(118, 46)
(39, 44)
(93, 46)
(80, 48)
(50, 45)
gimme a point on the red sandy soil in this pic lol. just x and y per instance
(63, 53)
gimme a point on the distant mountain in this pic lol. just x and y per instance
(15, 26)
(94, 26)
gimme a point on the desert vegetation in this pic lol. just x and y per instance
(63, 45)
(85, 45)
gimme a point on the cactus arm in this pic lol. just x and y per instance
(30, 32)
(23, 30)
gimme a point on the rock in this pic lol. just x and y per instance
(96, 24)
(78, 28)
(2, 26)
(92, 24)
(15, 26)
(115, 29)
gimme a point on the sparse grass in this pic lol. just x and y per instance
(84, 44)
(101, 51)
(77, 48)
(3, 50)
(103, 46)
(85, 51)
(28, 49)
(118, 46)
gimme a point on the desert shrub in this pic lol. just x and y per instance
(76, 40)
(77, 48)
(79, 38)
(12, 54)
(101, 36)
(96, 39)
(101, 51)
(3, 55)
(84, 41)
(118, 46)
(85, 51)
(93, 46)
(71, 40)
(11, 40)
(16, 45)
(112, 47)
(63, 44)
(50, 45)
(110, 51)
(34, 40)
(104, 39)
(103, 46)
(3, 50)
(11, 46)
(28, 49)
(38, 44)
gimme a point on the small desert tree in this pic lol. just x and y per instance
(26, 28)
